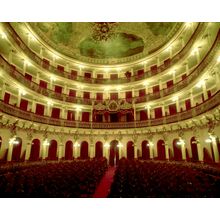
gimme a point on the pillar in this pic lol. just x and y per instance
(33, 106)
(135, 150)
(61, 150)
(163, 110)
(177, 105)
(92, 150)
(151, 147)
(204, 91)
(183, 149)
(3, 91)
(158, 61)
(10, 148)
(199, 148)
(166, 150)
(217, 80)
(28, 150)
(19, 98)
(171, 52)
(191, 98)
(215, 149)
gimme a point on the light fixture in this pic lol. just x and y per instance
(4, 36)
(107, 145)
(13, 141)
(208, 140)
(22, 92)
(46, 143)
(50, 103)
(180, 142)
(78, 109)
(145, 83)
(200, 83)
(119, 145)
(218, 59)
(52, 78)
(175, 98)
(27, 62)
(76, 144)
(147, 106)
(119, 88)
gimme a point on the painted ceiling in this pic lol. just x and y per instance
(124, 40)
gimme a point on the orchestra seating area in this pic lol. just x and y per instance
(162, 179)
(75, 179)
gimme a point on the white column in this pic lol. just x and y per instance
(177, 105)
(10, 149)
(37, 78)
(200, 149)
(148, 112)
(166, 150)
(217, 80)
(215, 149)
(191, 98)
(135, 150)
(158, 61)
(60, 150)
(174, 77)
(63, 115)
(187, 68)
(65, 89)
(182, 42)
(33, 107)
(160, 85)
(163, 110)
(204, 91)
(48, 110)
(3, 91)
(19, 98)
(24, 67)
(171, 52)
(10, 56)
(145, 67)
(151, 147)
(132, 71)
(28, 150)
(183, 149)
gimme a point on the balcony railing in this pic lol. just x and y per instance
(195, 111)
(134, 78)
(149, 97)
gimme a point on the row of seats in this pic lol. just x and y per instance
(161, 179)
(74, 179)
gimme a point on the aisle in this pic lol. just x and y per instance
(103, 188)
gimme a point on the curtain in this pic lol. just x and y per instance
(172, 109)
(113, 96)
(153, 69)
(69, 150)
(43, 84)
(188, 104)
(85, 116)
(52, 151)
(142, 92)
(6, 98)
(161, 150)
(169, 83)
(84, 150)
(130, 150)
(55, 113)
(98, 149)
(46, 63)
(28, 76)
(73, 74)
(70, 115)
(72, 93)
(158, 112)
(86, 95)
(35, 150)
(39, 109)
(58, 89)
(87, 75)
(60, 68)
(99, 96)
(114, 76)
(23, 104)
(156, 89)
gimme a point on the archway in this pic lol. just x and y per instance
(130, 150)
(16, 152)
(69, 150)
(114, 153)
(145, 150)
(98, 149)
(177, 150)
(35, 150)
(161, 155)
(84, 150)
(52, 151)
(207, 158)
(194, 149)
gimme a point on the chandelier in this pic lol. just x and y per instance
(103, 31)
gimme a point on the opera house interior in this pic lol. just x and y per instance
(109, 109)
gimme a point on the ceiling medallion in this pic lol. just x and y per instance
(103, 31)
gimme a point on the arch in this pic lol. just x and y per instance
(145, 150)
(16, 152)
(69, 150)
(161, 155)
(177, 150)
(194, 149)
(114, 153)
(52, 151)
(98, 149)
(35, 150)
(130, 150)
(207, 158)
(84, 150)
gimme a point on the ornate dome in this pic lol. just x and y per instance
(105, 42)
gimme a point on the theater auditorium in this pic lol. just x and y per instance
(109, 109)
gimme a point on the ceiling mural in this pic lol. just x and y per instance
(89, 41)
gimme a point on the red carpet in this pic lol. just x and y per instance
(103, 188)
